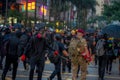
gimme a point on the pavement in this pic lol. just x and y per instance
(92, 73)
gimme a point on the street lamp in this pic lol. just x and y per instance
(35, 12)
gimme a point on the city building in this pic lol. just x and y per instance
(41, 9)
(100, 6)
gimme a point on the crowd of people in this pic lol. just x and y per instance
(72, 50)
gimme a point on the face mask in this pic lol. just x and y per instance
(39, 35)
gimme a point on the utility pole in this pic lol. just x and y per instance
(6, 12)
(43, 10)
(26, 13)
(35, 12)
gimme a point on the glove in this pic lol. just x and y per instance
(56, 53)
(23, 57)
(87, 57)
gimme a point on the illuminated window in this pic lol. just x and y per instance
(33, 5)
(29, 6)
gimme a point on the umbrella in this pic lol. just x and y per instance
(112, 31)
(39, 25)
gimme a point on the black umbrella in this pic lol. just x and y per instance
(40, 25)
(17, 25)
(112, 31)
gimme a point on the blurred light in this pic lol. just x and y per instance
(29, 8)
(57, 30)
(32, 21)
(15, 20)
(1, 25)
(33, 5)
(47, 22)
(43, 10)
(37, 22)
(29, 4)
(57, 23)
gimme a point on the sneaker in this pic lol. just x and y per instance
(27, 66)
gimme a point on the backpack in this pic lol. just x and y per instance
(100, 48)
(53, 59)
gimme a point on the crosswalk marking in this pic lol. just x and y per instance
(66, 76)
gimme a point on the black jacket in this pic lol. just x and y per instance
(12, 45)
(22, 43)
(35, 48)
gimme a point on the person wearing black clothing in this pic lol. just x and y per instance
(5, 34)
(57, 65)
(1, 50)
(11, 55)
(110, 55)
(101, 53)
(64, 63)
(35, 53)
(22, 44)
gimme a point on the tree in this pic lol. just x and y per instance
(15, 14)
(83, 6)
(112, 12)
(56, 7)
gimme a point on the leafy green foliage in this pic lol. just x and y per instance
(85, 4)
(112, 12)
(15, 14)
(83, 7)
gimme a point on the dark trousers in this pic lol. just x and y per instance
(26, 67)
(102, 65)
(109, 63)
(10, 60)
(40, 67)
(24, 64)
(78, 70)
(1, 60)
(57, 71)
(96, 59)
(66, 64)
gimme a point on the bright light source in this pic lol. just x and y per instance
(29, 4)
